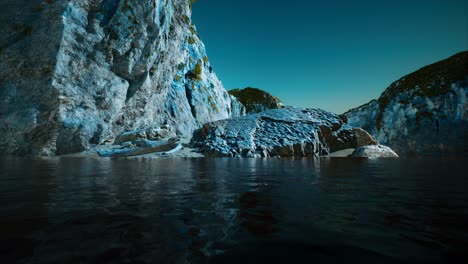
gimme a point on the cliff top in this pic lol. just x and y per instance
(431, 80)
(255, 100)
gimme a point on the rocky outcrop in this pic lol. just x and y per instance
(281, 132)
(256, 100)
(374, 151)
(163, 132)
(76, 73)
(159, 140)
(423, 113)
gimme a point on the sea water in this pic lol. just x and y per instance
(145, 210)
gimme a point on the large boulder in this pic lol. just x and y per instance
(374, 151)
(423, 113)
(281, 132)
(74, 74)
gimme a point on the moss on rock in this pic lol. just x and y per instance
(196, 73)
(432, 80)
(256, 100)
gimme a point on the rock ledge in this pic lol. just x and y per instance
(283, 132)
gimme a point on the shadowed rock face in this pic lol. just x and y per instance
(255, 100)
(76, 73)
(424, 112)
(281, 132)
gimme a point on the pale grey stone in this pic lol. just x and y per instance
(374, 151)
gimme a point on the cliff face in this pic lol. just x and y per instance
(423, 113)
(76, 73)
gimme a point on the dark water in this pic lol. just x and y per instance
(73, 210)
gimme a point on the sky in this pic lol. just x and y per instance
(334, 54)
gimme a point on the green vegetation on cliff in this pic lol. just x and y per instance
(432, 80)
(255, 100)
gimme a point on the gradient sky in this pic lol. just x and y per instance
(333, 54)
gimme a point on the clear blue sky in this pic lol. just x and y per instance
(334, 54)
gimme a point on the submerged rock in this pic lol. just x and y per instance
(425, 112)
(374, 151)
(74, 74)
(256, 100)
(280, 132)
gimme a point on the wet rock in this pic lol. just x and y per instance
(143, 147)
(138, 142)
(374, 151)
(280, 132)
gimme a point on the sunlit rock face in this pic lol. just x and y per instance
(76, 73)
(423, 113)
(287, 132)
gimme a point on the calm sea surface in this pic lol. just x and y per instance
(72, 210)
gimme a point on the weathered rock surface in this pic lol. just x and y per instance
(76, 73)
(152, 134)
(374, 151)
(280, 132)
(423, 113)
(256, 100)
(143, 147)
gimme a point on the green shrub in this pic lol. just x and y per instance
(195, 74)
(251, 98)
(191, 41)
(198, 71)
(212, 104)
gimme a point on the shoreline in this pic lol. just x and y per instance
(186, 152)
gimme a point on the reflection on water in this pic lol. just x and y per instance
(73, 210)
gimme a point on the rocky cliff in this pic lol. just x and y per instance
(76, 73)
(256, 100)
(423, 113)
